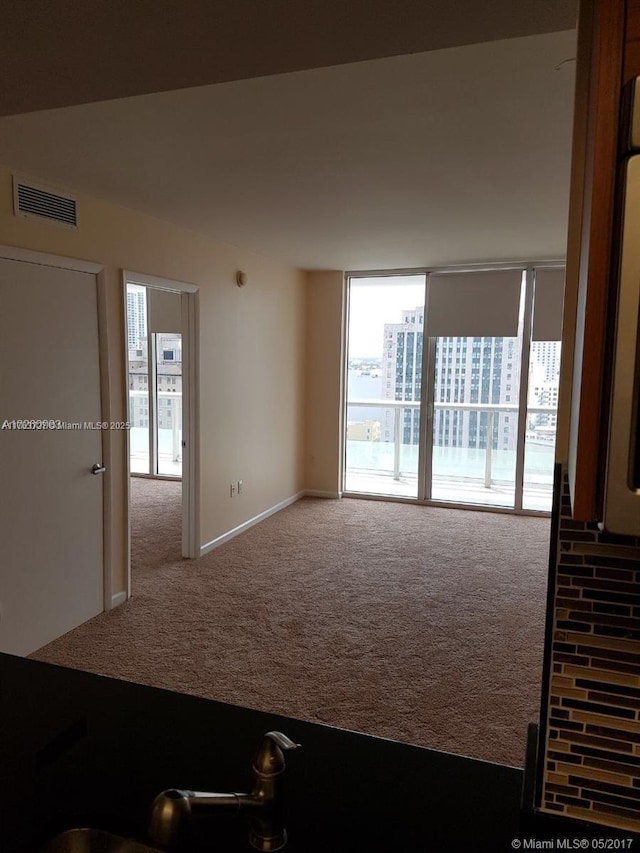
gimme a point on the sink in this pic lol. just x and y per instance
(83, 840)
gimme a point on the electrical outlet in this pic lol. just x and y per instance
(240, 487)
(232, 490)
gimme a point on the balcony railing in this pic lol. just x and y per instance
(169, 439)
(468, 467)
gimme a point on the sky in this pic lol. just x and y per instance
(376, 301)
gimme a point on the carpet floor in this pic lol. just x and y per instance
(418, 624)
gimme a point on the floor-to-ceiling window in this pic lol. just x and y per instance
(452, 383)
(543, 387)
(384, 384)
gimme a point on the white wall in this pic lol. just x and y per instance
(323, 371)
(252, 353)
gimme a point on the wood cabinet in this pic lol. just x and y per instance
(631, 66)
(603, 27)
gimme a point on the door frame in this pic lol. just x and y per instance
(29, 256)
(190, 305)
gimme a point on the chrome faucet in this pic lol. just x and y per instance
(263, 807)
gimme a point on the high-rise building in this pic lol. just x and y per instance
(547, 355)
(402, 372)
(544, 381)
(468, 370)
(136, 318)
(476, 370)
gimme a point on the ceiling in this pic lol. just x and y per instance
(61, 52)
(445, 156)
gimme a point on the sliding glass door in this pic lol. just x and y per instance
(476, 320)
(168, 403)
(475, 420)
(480, 429)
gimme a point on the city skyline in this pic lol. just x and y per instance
(472, 370)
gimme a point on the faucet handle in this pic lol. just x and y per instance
(269, 760)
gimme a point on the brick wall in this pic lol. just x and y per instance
(592, 747)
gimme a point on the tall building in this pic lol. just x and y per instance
(471, 370)
(547, 355)
(476, 370)
(168, 377)
(402, 372)
(544, 382)
(136, 318)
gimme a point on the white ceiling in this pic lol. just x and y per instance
(449, 156)
(59, 52)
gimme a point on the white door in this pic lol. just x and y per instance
(51, 536)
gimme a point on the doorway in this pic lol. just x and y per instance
(161, 375)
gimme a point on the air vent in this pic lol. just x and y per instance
(33, 200)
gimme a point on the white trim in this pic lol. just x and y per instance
(152, 387)
(141, 476)
(107, 436)
(159, 283)
(45, 260)
(127, 444)
(220, 540)
(191, 424)
(523, 395)
(315, 493)
(190, 413)
(344, 378)
(475, 267)
(343, 390)
(119, 598)
(436, 504)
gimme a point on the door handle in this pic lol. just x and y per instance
(98, 468)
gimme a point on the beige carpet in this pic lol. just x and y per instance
(420, 624)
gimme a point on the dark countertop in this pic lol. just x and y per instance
(79, 748)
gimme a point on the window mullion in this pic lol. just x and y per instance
(524, 386)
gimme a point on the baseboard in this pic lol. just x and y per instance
(220, 540)
(314, 493)
(118, 599)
